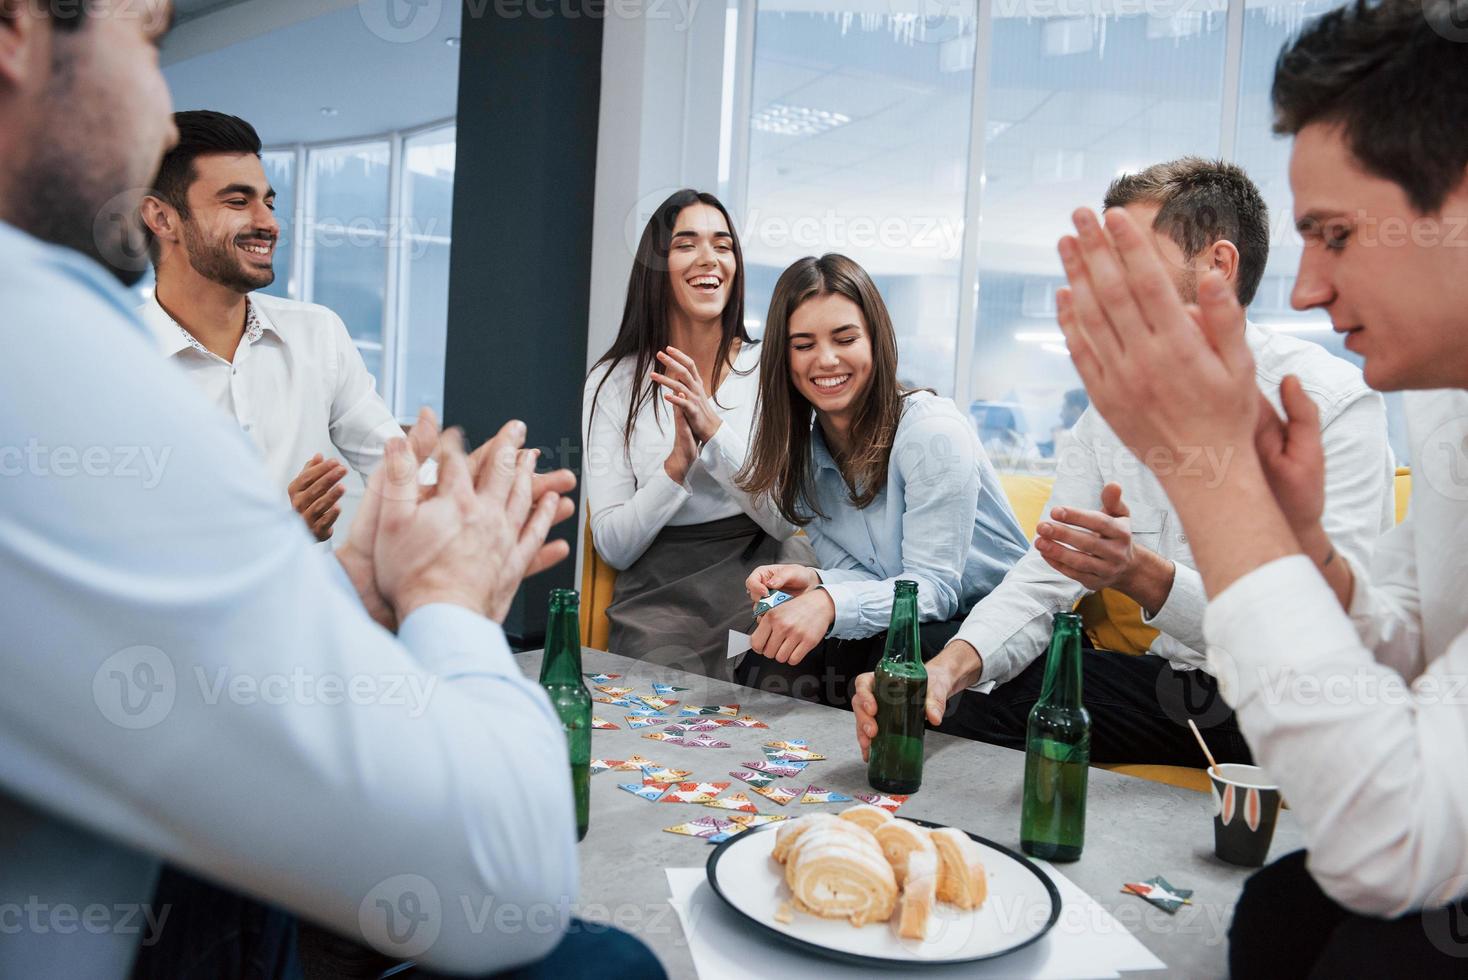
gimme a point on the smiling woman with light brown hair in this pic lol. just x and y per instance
(889, 482)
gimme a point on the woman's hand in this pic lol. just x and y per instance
(792, 629)
(685, 450)
(790, 579)
(685, 392)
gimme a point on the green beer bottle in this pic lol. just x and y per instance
(901, 688)
(560, 675)
(1057, 753)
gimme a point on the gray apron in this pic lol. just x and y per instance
(675, 606)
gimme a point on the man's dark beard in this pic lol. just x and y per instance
(217, 262)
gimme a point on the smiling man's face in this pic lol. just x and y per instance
(230, 231)
(1395, 281)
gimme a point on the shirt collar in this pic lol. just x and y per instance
(173, 339)
(819, 453)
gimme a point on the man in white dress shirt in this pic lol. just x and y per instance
(1112, 540)
(1348, 680)
(287, 372)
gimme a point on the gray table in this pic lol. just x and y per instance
(1135, 829)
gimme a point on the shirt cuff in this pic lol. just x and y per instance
(1278, 618)
(453, 642)
(846, 597)
(715, 455)
(666, 490)
(1181, 615)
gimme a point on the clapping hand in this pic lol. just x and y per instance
(686, 393)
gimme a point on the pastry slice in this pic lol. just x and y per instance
(837, 871)
(866, 815)
(900, 839)
(918, 895)
(961, 879)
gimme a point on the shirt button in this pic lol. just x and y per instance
(1183, 538)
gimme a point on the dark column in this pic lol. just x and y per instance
(520, 274)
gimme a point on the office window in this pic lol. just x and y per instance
(858, 144)
(1072, 103)
(280, 171)
(426, 235)
(347, 223)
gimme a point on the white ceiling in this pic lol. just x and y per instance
(282, 78)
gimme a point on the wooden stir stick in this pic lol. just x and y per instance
(1204, 746)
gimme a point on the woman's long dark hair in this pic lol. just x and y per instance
(779, 463)
(644, 330)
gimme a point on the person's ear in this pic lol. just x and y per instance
(1225, 258)
(161, 218)
(20, 42)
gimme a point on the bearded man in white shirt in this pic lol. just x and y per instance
(1111, 540)
(287, 372)
(1348, 681)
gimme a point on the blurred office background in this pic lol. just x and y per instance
(941, 143)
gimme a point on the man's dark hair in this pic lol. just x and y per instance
(1393, 74)
(200, 133)
(1201, 202)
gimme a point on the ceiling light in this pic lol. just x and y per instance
(794, 120)
(452, 42)
(328, 111)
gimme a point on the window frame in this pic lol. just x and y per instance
(393, 327)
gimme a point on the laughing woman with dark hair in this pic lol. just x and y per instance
(668, 411)
(889, 482)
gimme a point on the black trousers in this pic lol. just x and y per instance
(827, 675)
(213, 933)
(1139, 710)
(1284, 926)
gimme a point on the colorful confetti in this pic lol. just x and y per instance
(693, 792)
(888, 803)
(779, 795)
(818, 794)
(734, 801)
(703, 827)
(731, 710)
(602, 678)
(657, 774)
(601, 724)
(651, 792)
(1160, 893)
(783, 770)
(753, 778)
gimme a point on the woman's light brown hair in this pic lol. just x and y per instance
(779, 463)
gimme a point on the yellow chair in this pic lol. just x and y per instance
(598, 579)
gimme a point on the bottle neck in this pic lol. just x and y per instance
(1062, 684)
(903, 643)
(562, 661)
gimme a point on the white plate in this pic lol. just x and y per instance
(1021, 907)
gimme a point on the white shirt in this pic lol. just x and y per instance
(630, 497)
(297, 386)
(186, 679)
(1363, 721)
(1011, 627)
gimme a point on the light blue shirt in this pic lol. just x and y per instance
(183, 677)
(942, 521)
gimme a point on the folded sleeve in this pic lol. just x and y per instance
(722, 457)
(361, 423)
(1368, 763)
(1358, 491)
